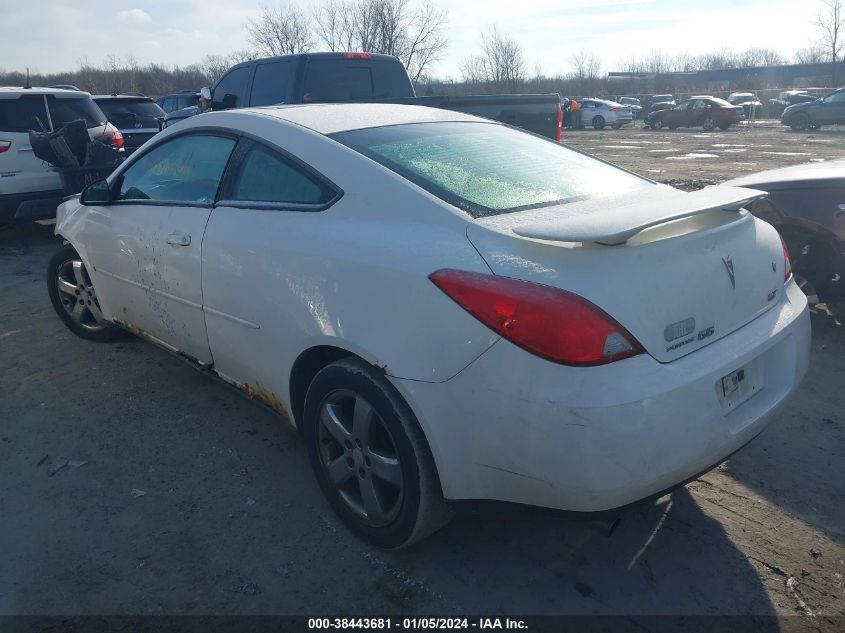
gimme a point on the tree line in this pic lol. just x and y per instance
(416, 33)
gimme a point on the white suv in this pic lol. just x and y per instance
(30, 188)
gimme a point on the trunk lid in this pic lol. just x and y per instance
(678, 270)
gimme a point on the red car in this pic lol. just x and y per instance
(707, 112)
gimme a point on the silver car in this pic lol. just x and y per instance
(600, 112)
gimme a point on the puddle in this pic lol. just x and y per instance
(691, 156)
(734, 150)
(662, 150)
(619, 147)
(729, 145)
(752, 164)
(787, 153)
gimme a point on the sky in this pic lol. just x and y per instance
(55, 35)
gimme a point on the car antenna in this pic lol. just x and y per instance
(28, 85)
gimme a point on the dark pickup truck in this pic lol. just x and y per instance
(357, 77)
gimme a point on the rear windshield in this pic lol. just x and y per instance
(661, 98)
(332, 80)
(488, 169)
(120, 111)
(63, 111)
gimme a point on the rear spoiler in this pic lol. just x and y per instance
(614, 221)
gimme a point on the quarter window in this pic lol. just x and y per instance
(266, 177)
(24, 114)
(186, 169)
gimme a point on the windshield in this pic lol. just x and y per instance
(488, 169)
(661, 98)
(124, 111)
(629, 101)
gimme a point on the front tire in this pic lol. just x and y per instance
(598, 122)
(370, 456)
(657, 124)
(74, 298)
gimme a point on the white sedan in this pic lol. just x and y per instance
(445, 307)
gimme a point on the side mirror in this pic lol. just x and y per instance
(98, 192)
(205, 93)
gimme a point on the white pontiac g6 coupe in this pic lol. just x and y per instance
(445, 307)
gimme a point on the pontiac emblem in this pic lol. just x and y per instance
(729, 266)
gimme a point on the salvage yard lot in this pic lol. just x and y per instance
(692, 158)
(132, 484)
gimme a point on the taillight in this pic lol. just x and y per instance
(787, 264)
(356, 56)
(112, 137)
(615, 109)
(4, 146)
(559, 122)
(551, 323)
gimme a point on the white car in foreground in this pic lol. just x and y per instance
(446, 307)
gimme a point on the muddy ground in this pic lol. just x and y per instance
(131, 484)
(692, 158)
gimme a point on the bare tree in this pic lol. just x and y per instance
(425, 40)
(811, 55)
(473, 71)
(831, 23)
(281, 31)
(501, 64)
(417, 37)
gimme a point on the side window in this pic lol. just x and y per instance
(588, 105)
(266, 177)
(271, 83)
(699, 104)
(230, 91)
(682, 106)
(186, 169)
(24, 114)
(837, 97)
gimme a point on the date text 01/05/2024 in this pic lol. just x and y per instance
(416, 624)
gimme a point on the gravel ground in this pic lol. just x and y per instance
(131, 484)
(691, 158)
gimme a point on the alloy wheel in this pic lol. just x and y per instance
(709, 124)
(78, 297)
(360, 458)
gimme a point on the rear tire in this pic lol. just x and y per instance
(370, 456)
(800, 121)
(708, 124)
(657, 124)
(616, 126)
(74, 298)
(598, 122)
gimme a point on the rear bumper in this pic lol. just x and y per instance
(38, 205)
(513, 427)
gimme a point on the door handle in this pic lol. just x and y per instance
(179, 239)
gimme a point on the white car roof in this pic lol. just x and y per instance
(328, 118)
(13, 92)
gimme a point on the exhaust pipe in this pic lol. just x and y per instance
(605, 526)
